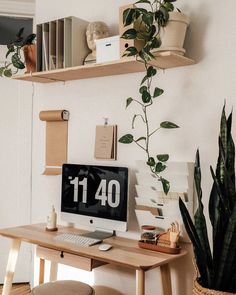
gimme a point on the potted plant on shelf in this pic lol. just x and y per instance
(216, 268)
(15, 53)
(146, 27)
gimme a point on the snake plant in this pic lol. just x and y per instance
(217, 266)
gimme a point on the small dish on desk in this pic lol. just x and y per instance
(104, 247)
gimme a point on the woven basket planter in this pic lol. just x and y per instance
(199, 290)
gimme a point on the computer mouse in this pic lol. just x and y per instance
(104, 247)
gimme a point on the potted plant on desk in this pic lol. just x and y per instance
(15, 53)
(216, 268)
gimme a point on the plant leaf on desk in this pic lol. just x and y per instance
(130, 34)
(165, 185)
(8, 73)
(17, 63)
(131, 51)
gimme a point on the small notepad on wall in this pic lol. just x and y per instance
(106, 142)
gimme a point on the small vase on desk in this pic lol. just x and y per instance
(52, 220)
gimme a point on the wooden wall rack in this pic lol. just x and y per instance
(164, 60)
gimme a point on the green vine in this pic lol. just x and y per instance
(146, 25)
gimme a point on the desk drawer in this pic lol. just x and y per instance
(68, 259)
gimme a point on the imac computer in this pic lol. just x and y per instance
(95, 196)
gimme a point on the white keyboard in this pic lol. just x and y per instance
(77, 239)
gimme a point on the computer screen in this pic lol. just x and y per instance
(95, 195)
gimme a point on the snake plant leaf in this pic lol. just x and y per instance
(200, 221)
(198, 251)
(218, 189)
(227, 255)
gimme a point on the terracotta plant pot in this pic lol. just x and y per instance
(30, 58)
(199, 290)
(173, 35)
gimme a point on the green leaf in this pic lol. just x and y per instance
(169, 6)
(146, 96)
(8, 73)
(151, 162)
(144, 80)
(10, 48)
(143, 1)
(134, 117)
(17, 63)
(147, 18)
(1, 71)
(158, 92)
(155, 43)
(151, 72)
(140, 138)
(129, 34)
(126, 139)
(170, 0)
(160, 167)
(128, 15)
(128, 101)
(163, 157)
(146, 55)
(130, 51)
(165, 185)
(168, 125)
(142, 89)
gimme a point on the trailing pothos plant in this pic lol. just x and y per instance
(15, 63)
(217, 267)
(146, 24)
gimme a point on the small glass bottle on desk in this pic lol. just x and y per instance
(148, 234)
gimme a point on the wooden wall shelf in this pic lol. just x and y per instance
(164, 60)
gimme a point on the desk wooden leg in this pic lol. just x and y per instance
(166, 279)
(53, 271)
(41, 271)
(140, 282)
(11, 265)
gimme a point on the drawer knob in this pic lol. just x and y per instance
(62, 254)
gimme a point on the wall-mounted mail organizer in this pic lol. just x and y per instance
(153, 206)
(56, 140)
(61, 43)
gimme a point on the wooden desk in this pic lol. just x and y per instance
(125, 252)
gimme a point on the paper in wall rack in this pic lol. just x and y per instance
(61, 43)
(56, 140)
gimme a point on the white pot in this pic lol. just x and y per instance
(173, 35)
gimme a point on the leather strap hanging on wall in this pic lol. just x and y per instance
(56, 140)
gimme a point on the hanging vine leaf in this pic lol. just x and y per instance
(146, 96)
(129, 34)
(165, 185)
(158, 92)
(151, 162)
(168, 125)
(127, 139)
(17, 63)
(160, 167)
(163, 157)
(128, 16)
(128, 101)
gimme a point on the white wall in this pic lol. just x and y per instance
(193, 99)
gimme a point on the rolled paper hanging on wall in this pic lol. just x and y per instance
(56, 140)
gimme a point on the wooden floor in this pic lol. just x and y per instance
(19, 289)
